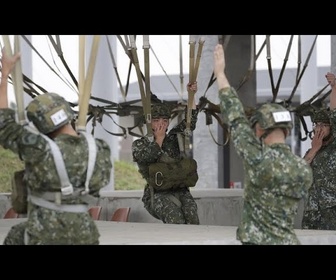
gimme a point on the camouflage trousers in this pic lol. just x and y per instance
(168, 210)
(324, 219)
(16, 236)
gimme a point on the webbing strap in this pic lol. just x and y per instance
(91, 159)
(180, 140)
(193, 72)
(66, 187)
(85, 84)
(52, 196)
(152, 196)
(174, 199)
(56, 197)
(144, 99)
(147, 105)
(75, 208)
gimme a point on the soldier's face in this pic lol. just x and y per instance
(324, 128)
(159, 124)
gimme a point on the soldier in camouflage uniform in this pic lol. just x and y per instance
(275, 178)
(175, 205)
(320, 207)
(67, 221)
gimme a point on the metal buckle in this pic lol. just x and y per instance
(157, 178)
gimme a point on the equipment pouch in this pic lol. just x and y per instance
(163, 176)
(19, 193)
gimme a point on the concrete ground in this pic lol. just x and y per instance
(118, 233)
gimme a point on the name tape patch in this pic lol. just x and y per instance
(283, 116)
(59, 117)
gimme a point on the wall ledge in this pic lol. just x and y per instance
(197, 193)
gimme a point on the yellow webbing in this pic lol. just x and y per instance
(85, 81)
(144, 97)
(193, 72)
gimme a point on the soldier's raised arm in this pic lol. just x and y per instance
(7, 65)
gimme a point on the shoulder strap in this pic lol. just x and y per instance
(66, 187)
(92, 158)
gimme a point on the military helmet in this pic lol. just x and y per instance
(49, 112)
(272, 115)
(321, 115)
(161, 110)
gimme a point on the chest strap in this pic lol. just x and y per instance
(56, 197)
(174, 199)
(75, 208)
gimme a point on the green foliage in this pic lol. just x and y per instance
(9, 163)
(126, 175)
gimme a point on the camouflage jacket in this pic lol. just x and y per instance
(275, 180)
(322, 194)
(41, 174)
(146, 152)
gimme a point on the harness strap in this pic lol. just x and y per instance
(56, 197)
(92, 158)
(75, 208)
(96, 114)
(141, 87)
(193, 71)
(152, 196)
(174, 199)
(26, 237)
(147, 105)
(66, 187)
(180, 139)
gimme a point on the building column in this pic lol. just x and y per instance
(308, 83)
(218, 164)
